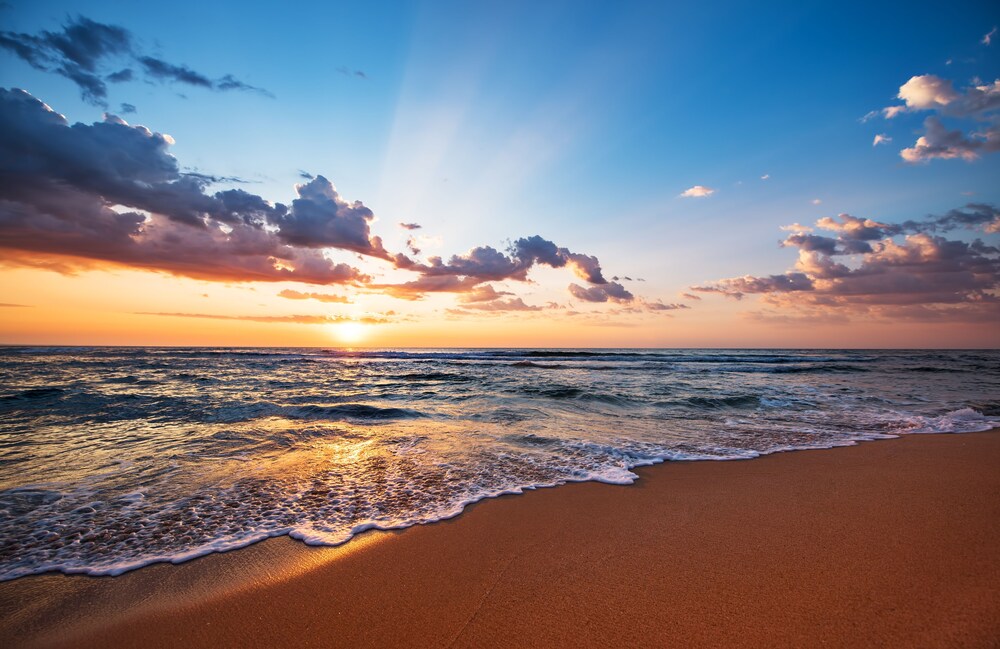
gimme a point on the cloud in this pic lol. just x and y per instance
(691, 296)
(7, 305)
(815, 201)
(84, 49)
(660, 306)
(418, 288)
(737, 287)
(892, 111)
(272, 319)
(78, 195)
(979, 103)
(347, 72)
(927, 92)
(930, 92)
(855, 228)
(988, 38)
(609, 292)
(112, 192)
(125, 109)
(484, 293)
(938, 142)
(698, 191)
(410, 226)
(795, 227)
(485, 263)
(765, 176)
(513, 304)
(881, 138)
(289, 294)
(903, 270)
(321, 218)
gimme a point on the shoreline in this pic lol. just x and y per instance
(873, 543)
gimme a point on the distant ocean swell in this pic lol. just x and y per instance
(113, 458)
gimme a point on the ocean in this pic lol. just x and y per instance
(114, 458)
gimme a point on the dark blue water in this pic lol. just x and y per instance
(112, 458)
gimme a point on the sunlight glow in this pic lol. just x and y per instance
(349, 332)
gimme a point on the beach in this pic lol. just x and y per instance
(887, 543)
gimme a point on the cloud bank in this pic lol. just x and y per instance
(867, 267)
(112, 192)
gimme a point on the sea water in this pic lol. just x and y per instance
(114, 458)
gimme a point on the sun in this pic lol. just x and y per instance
(350, 331)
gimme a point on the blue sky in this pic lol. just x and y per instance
(579, 122)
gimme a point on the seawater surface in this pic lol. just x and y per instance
(113, 458)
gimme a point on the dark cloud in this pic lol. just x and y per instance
(736, 287)
(938, 142)
(972, 216)
(121, 76)
(410, 226)
(84, 49)
(348, 72)
(411, 245)
(7, 305)
(126, 109)
(608, 292)
(124, 164)
(229, 82)
(289, 294)
(416, 289)
(908, 270)
(112, 192)
(163, 71)
(320, 218)
(486, 263)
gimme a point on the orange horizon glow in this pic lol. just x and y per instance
(116, 307)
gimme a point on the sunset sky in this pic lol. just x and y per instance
(508, 174)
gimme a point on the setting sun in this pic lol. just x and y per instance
(349, 332)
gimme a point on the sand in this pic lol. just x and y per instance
(889, 543)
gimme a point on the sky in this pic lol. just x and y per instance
(560, 174)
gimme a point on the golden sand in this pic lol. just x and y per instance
(891, 543)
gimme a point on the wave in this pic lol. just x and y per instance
(435, 376)
(353, 411)
(34, 393)
(734, 401)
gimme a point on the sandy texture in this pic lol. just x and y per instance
(893, 543)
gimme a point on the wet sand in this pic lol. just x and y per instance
(890, 543)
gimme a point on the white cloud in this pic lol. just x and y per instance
(698, 191)
(881, 138)
(892, 111)
(796, 227)
(927, 91)
(988, 38)
(930, 92)
(765, 176)
(816, 201)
